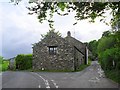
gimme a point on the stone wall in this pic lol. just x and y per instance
(78, 58)
(62, 60)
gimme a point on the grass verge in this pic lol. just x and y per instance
(113, 75)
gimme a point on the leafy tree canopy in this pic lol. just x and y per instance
(106, 33)
(83, 10)
(49, 33)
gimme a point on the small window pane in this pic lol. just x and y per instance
(52, 49)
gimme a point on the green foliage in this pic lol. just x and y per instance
(49, 33)
(109, 54)
(109, 51)
(106, 43)
(106, 33)
(89, 61)
(93, 48)
(114, 75)
(82, 67)
(3, 64)
(62, 5)
(108, 57)
(83, 10)
(1, 59)
(23, 62)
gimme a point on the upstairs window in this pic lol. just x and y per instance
(52, 50)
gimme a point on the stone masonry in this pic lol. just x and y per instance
(56, 53)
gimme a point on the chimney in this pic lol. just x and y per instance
(69, 33)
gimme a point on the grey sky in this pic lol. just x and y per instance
(20, 30)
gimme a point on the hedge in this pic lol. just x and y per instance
(108, 57)
(23, 62)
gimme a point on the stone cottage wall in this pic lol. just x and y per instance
(63, 60)
(79, 59)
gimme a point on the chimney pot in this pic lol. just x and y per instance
(68, 33)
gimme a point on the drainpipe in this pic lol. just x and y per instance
(86, 55)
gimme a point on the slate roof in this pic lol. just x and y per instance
(76, 43)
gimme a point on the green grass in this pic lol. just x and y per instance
(113, 75)
(82, 67)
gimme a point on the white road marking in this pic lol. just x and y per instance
(39, 86)
(47, 86)
(95, 80)
(72, 77)
(100, 72)
(91, 69)
(56, 86)
(45, 81)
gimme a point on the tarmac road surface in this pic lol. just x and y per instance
(91, 77)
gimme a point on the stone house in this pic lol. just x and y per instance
(57, 53)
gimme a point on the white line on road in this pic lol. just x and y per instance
(95, 80)
(47, 84)
(100, 72)
(54, 83)
(39, 86)
(45, 81)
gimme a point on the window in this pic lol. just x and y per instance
(52, 50)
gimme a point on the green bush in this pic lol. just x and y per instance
(23, 62)
(5, 65)
(106, 43)
(108, 57)
(114, 75)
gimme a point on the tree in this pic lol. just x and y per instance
(93, 48)
(23, 62)
(106, 43)
(1, 59)
(109, 51)
(106, 33)
(49, 33)
(83, 10)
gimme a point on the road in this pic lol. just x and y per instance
(91, 77)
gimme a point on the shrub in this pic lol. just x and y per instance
(106, 43)
(108, 57)
(5, 65)
(23, 62)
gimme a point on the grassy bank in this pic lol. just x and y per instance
(113, 75)
(83, 66)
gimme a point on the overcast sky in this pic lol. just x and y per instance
(20, 30)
